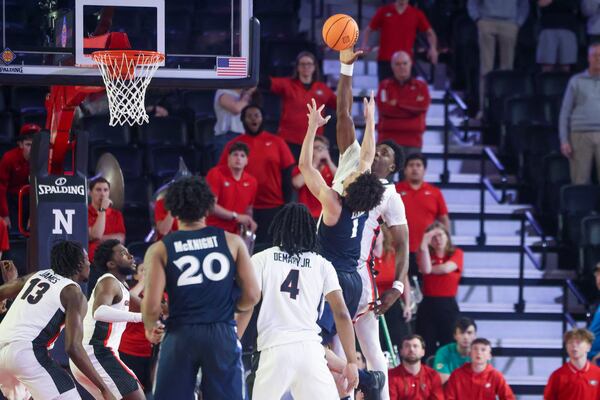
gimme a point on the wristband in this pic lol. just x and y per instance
(399, 286)
(101, 209)
(346, 69)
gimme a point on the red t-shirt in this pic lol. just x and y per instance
(569, 383)
(306, 197)
(423, 206)
(386, 268)
(114, 224)
(426, 385)
(4, 246)
(14, 174)
(269, 155)
(402, 110)
(160, 213)
(444, 285)
(134, 341)
(397, 31)
(464, 384)
(295, 96)
(232, 195)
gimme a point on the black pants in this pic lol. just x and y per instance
(397, 326)
(141, 367)
(435, 322)
(263, 218)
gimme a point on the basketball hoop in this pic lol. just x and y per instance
(126, 75)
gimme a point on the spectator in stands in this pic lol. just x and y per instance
(14, 174)
(322, 162)
(498, 22)
(135, 350)
(402, 102)
(578, 378)
(557, 42)
(398, 24)
(413, 380)
(441, 265)
(424, 204)
(4, 244)
(163, 220)
(594, 354)
(296, 92)
(271, 163)
(591, 9)
(579, 121)
(104, 222)
(399, 315)
(228, 105)
(234, 190)
(478, 379)
(455, 354)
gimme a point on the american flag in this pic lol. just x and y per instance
(231, 66)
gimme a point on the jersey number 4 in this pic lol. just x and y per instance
(290, 284)
(190, 275)
(34, 298)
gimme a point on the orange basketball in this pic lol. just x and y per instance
(340, 32)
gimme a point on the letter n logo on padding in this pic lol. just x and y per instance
(63, 220)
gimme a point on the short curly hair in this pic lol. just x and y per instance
(104, 253)
(66, 258)
(365, 193)
(189, 199)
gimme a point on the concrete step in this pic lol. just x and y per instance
(470, 197)
(527, 370)
(508, 261)
(480, 294)
(471, 240)
(468, 227)
(506, 307)
(499, 272)
(518, 329)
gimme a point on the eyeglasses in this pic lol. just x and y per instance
(306, 64)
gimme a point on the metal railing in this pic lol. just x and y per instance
(485, 184)
(451, 97)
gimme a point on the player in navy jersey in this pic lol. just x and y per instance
(346, 210)
(208, 276)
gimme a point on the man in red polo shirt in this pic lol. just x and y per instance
(478, 379)
(14, 174)
(403, 102)
(413, 380)
(321, 161)
(398, 24)
(271, 163)
(104, 222)
(578, 378)
(235, 191)
(424, 204)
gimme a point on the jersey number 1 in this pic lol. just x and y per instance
(290, 284)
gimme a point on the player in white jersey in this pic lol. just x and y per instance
(46, 301)
(388, 159)
(294, 279)
(107, 316)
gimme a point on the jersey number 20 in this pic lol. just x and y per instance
(190, 275)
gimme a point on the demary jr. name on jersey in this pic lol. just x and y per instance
(209, 242)
(285, 257)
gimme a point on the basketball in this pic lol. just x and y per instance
(340, 32)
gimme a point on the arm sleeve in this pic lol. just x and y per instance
(457, 258)
(105, 313)
(375, 23)
(213, 182)
(279, 85)
(394, 214)
(550, 389)
(504, 390)
(4, 176)
(442, 208)
(473, 9)
(423, 24)
(440, 364)
(565, 112)
(330, 282)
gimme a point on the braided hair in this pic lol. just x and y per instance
(294, 229)
(66, 258)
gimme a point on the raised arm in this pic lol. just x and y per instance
(312, 177)
(367, 148)
(345, 134)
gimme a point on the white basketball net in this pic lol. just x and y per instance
(126, 75)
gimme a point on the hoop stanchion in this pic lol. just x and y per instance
(126, 75)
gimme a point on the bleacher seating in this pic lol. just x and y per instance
(164, 131)
(576, 203)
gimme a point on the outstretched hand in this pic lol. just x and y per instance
(349, 56)
(314, 114)
(369, 107)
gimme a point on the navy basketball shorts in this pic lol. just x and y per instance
(214, 349)
(351, 284)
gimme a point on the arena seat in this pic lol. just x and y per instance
(7, 127)
(131, 159)
(201, 103)
(137, 222)
(589, 245)
(163, 161)
(28, 98)
(576, 203)
(501, 86)
(100, 132)
(551, 83)
(137, 191)
(163, 131)
(554, 175)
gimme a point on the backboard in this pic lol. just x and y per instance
(208, 44)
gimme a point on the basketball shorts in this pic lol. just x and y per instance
(348, 163)
(298, 368)
(120, 380)
(23, 364)
(367, 296)
(214, 349)
(351, 284)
